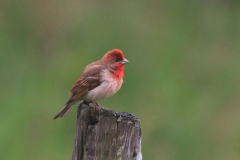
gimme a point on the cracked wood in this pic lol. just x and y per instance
(102, 134)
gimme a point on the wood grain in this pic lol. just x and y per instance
(102, 134)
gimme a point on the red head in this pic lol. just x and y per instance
(114, 60)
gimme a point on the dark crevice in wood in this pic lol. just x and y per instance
(134, 154)
(94, 121)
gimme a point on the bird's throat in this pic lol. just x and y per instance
(118, 74)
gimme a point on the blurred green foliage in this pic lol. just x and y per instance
(182, 81)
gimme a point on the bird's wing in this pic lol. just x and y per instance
(90, 79)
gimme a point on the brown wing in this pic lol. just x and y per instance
(90, 79)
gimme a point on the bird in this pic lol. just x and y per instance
(100, 79)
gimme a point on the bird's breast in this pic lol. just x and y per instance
(109, 86)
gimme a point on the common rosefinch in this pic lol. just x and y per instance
(99, 80)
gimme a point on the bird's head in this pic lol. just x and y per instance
(114, 60)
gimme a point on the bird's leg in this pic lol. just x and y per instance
(96, 105)
(93, 104)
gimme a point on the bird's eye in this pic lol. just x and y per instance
(117, 60)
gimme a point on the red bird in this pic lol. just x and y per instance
(99, 80)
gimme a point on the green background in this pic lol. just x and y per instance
(182, 82)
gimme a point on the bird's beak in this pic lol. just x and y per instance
(125, 61)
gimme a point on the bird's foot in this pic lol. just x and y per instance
(95, 104)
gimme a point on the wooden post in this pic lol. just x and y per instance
(102, 134)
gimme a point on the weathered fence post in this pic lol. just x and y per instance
(102, 134)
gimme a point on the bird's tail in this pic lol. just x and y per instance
(64, 111)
